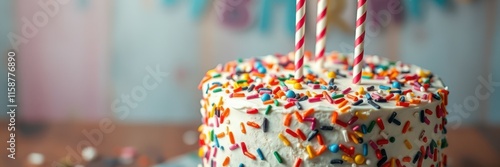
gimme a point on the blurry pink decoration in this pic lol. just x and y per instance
(63, 70)
(233, 14)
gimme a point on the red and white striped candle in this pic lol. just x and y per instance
(321, 32)
(359, 42)
(300, 19)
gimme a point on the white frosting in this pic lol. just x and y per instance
(269, 142)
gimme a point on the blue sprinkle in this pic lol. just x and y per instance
(384, 87)
(402, 98)
(290, 94)
(216, 142)
(265, 97)
(368, 96)
(241, 165)
(208, 87)
(357, 102)
(375, 105)
(221, 148)
(257, 65)
(436, 96)
(334, 148)
(217, 83)
(323, 87)
(365, 149)
(262, 70)
(396, 85)
(363, 128)
(260, 154)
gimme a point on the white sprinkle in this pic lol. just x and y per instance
(344, 133)
(36, 159)
(383, 134)
(89, 153)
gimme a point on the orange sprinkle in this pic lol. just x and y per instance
(205, 79)
(297, 163)
(414, 101)
(253, 124)
(301, 134)
(298, 116)
(238, 94)
(322, 82)
(321, 150)
(287, 119)
(237, 89)
(334, 116)
(406, 159)
(221, 135)
(231, 137)
(345, 109)
(250, 155)
(353, 138)
(342, 104)
(213, 87)
(280, 94)
(226, 162)
(354, 98)
(226, 112)
(320, 139)
(268, 102)
(242, 126)
(308, 112)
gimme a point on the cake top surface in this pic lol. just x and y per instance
(255, 83)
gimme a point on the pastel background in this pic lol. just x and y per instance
(93, 52)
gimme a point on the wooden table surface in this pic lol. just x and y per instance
(468, 146)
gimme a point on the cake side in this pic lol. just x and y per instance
(258, 105)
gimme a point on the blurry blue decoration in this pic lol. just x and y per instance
(83, 4)
(290, 16)
(442, 3)
(266, 14)
(414, 8)
(169, 2)
(199, 8)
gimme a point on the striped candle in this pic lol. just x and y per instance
(359, 42)
(300, 19)
(321, 32)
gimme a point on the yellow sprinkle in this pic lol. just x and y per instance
(297, 86)
(353, 138)
(200, 128)
(361, 115)
(359, 134)
(310, 151)
(245, 76)
(284, 139)
(242, 126)
(408, 144)
(393, 162)
(200, 152)
(361, 90)
(345, 109)
(332, 74)
(308, 93)
(359, 159)
(290, 81)
(347, 158)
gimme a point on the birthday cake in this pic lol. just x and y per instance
(256, 114)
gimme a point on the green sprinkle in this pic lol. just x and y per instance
(268, 109)
(276, 103)
(278, 157)
(212, 136)
(444, 143)
(217, 90)
(337, 96)
(282, 78)
(282, 83)
(241, 81)
(370, 128)
(216, 75)
(366, 77)
(240, 60)
(392, 139)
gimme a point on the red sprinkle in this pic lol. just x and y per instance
(288, 105)
(252, 111)
(405, 128)
(382, 141)
(380, 124)
(341, 123)
(301, 134)
(291, 133)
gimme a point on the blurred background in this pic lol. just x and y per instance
(136, 64)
